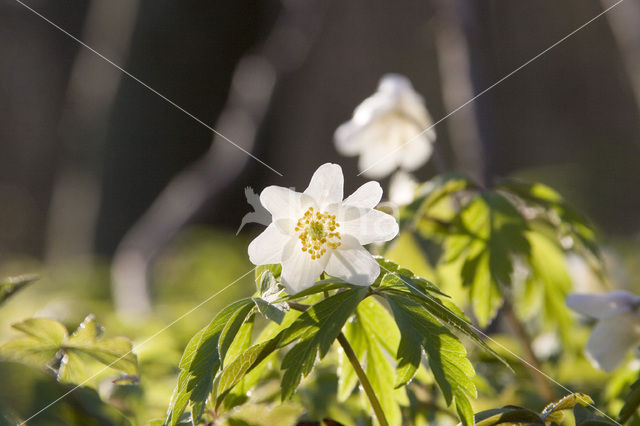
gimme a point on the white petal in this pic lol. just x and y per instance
(378, 160)
(402, 188)
(268, 247)
(347, 139)
(611, 339)
(366, 225)
(326, 186)
(395, 83)
(352, 263)
(299, 271)
(366, 197)
(602, 305)
(283, 202)
(416, 152)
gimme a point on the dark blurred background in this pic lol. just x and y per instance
(91, 161)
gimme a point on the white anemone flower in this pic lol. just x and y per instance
(618, 327)
(388, 130)
(316, 231)
(402, 188)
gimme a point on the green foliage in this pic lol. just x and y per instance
(390, 348)
(553, 414)
(484, 233)
(202, 360)
(374, 338)
(11, 285)
(489, 231)
(631, 403)
(47, 343)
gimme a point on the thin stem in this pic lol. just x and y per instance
(532, 360)
(353, 359)
(364, 381)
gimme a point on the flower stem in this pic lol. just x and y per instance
(353, 359)
(532, 362)
(364, 381)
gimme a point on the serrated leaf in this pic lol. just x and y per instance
(550, 273)
(28, 350)
(553, 413)
(115, 352)
(542, 196)
(230, 329)
(489, 231)
(73, 368)
(371, 333)
(316, 329)
(43, 329)
(199, 363)
(445, 354)
(453, 320)
(44, 339)
(244, 363)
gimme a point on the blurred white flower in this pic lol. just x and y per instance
(546, 345)
(618, 327)
(317, 231)
(402, 188)
(387, 130)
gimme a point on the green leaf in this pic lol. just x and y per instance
(321, 286)
(44, 339)
(431, 193)
(454, 320)
(549, 272)
(268, 310)
(274, 269)
(489, 232)
(231, 328)
(29, 350)
(243, 364)
(347, 378)
(316, 329)
(631, 403)
(559, 214)
(553, 413)
(371, 333)
(245, 370)
(115, 352)
(199, 363)
(265, 281)
(446, 355)
(510, 414)
(11, 285)
(45, 330)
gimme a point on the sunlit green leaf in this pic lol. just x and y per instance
(316, 328)
(445, 354)
(553, 413)
(199, 363)
(11, 285)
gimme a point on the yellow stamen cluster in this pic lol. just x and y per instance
(317, 231)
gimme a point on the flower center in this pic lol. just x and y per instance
(317, 232)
